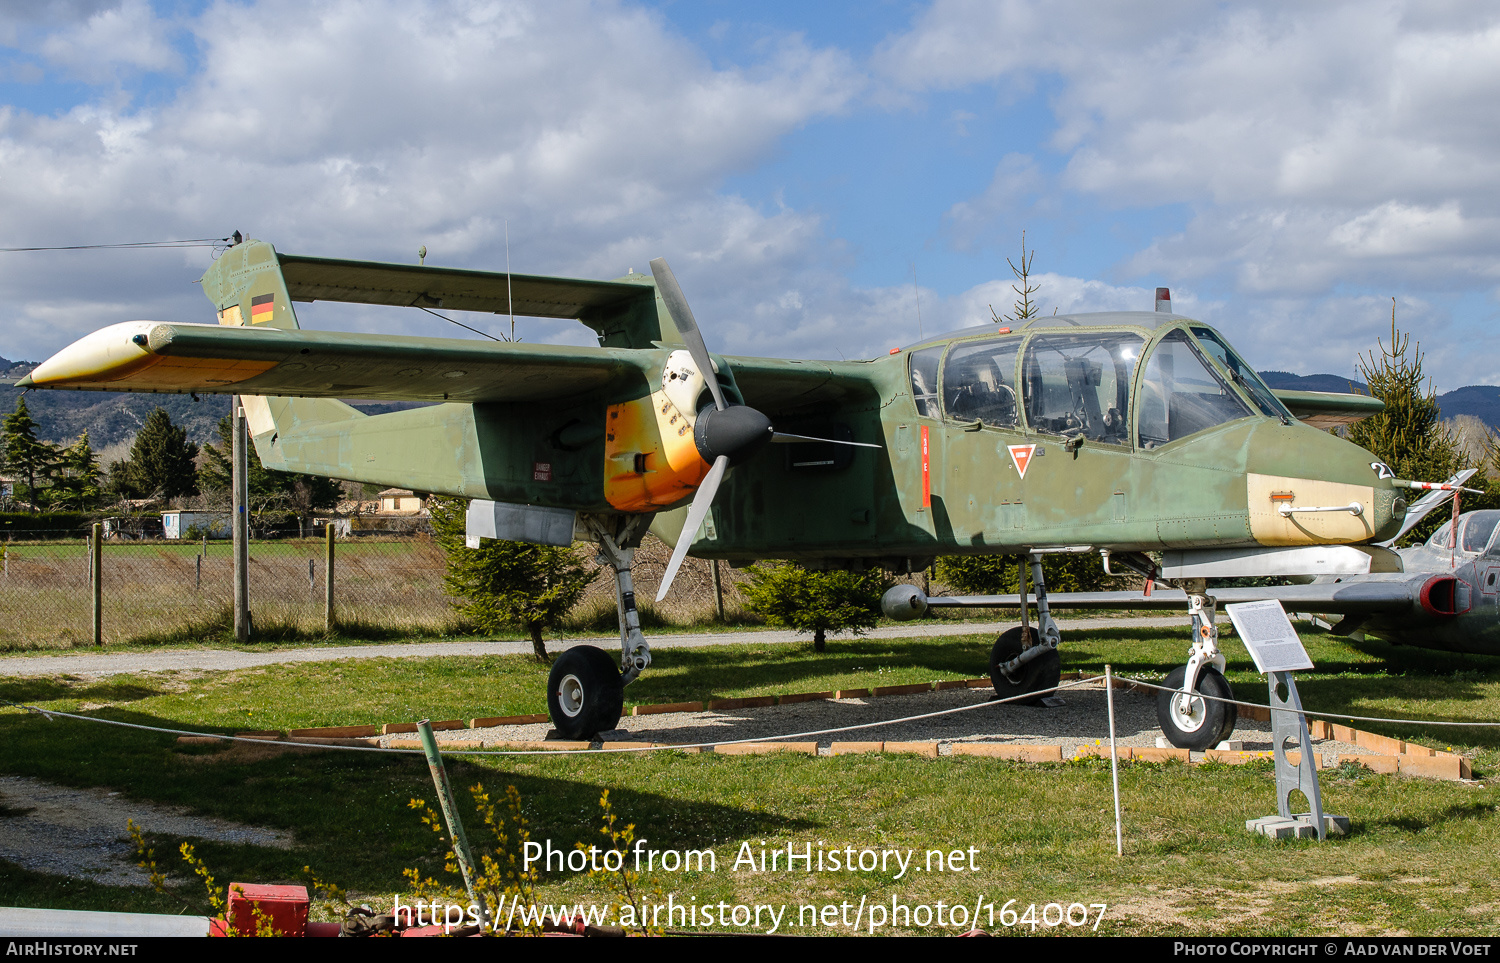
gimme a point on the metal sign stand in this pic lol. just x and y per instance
(1273, 644)
(1289, 725)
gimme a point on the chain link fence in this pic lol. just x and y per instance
(160, 589)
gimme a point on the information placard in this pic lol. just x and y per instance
(1268, 634)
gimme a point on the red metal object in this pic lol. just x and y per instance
(1440, 595)
(283, 907)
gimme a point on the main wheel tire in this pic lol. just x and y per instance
(1189, 722)
(584, 693)
(1041, 673)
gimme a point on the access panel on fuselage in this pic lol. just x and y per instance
(781, 503)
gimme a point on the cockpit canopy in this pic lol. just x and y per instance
(1476, 534)
(1080, 383)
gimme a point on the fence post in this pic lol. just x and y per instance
(328, 616)
(239, 482)
(718, 591)
(96, 570)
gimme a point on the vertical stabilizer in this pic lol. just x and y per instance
(247, 288)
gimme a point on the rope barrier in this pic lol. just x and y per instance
(1306, 712)
(552, 752)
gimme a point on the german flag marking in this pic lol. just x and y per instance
(262, 308)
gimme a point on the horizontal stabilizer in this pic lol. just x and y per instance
(455, 289)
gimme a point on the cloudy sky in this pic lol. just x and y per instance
(817, 174)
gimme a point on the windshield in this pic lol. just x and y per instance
(1242, 374)
(1181, 394)
(1478, 527)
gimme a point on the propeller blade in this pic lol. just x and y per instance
(697, 512)
(682, 316)
(785, 438)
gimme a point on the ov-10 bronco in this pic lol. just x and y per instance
(1121, 433)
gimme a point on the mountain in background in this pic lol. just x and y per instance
(1316, 382)
(1481, 401)
(112, 416)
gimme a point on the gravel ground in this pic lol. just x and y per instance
(1082, 719)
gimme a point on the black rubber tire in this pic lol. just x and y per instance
(1210, 722)
(1041, 673)
(584, 693)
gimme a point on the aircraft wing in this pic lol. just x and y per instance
(260, 360)
(775, 385)
(1328, 409)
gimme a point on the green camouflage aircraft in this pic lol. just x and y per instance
(1121, 433)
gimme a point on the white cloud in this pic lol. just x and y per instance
(365, 129)
(1318, 145)
(95, 47)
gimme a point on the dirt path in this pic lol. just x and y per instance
(82, 832)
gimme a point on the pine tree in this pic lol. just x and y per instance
(24, 454)
(77, 485)
(1409, 436)
(817, 602)
(161, 461)
(503, 584)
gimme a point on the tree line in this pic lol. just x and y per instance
(163, 466)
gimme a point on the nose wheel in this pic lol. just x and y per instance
(585, 694)
(1190, 721)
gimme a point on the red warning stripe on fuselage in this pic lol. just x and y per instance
(926, 472)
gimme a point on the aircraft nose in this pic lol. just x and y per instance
(1306, 486)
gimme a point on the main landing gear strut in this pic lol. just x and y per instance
(586, 690)
(1023, 661)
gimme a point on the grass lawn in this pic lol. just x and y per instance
(1421, 858)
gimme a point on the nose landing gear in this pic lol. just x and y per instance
(1188, 720)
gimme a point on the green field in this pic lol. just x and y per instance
(1422, 857)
